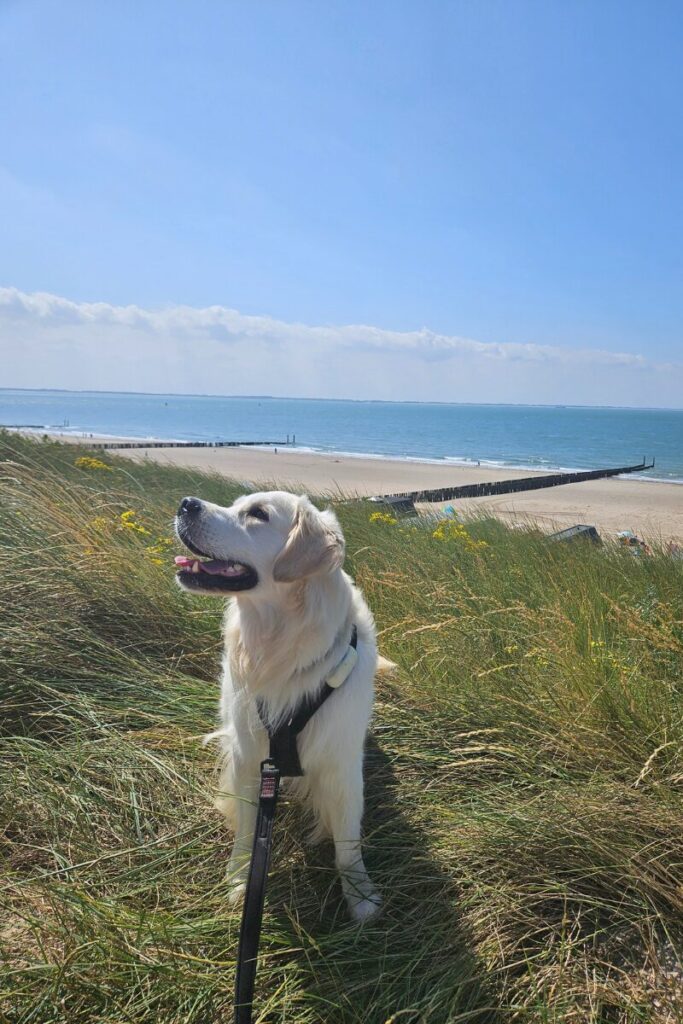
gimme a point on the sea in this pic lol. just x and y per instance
(535, 437)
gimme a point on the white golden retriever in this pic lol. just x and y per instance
(287, 627)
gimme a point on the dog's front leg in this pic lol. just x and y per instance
(245, 787)
(339, 798)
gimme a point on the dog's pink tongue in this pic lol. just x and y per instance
(183, 561)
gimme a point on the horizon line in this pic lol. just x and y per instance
(374, 401)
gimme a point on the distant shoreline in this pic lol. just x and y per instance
(513, 470)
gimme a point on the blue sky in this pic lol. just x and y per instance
(506, 173)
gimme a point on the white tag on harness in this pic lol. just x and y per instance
(343, 669)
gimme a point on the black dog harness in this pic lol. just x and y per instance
(282, 762)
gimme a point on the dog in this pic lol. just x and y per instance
(288, 626)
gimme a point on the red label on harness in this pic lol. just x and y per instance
(268, 787)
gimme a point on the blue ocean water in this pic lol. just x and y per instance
(535, 437)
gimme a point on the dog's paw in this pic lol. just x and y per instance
(237, 889)
(236, 879)
(363, 910)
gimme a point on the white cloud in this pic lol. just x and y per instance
(50, 341)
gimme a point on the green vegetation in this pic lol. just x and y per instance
(524, 777)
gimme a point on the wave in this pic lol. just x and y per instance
(651, 479)
(464, 462)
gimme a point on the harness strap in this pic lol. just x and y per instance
(283, 746)
(282, 761)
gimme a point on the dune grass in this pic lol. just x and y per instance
(524, 776)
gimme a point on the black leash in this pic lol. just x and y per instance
(282, 762)
(252, 912)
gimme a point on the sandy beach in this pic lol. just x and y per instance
(652, 509)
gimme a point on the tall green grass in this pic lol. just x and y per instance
(524, 777)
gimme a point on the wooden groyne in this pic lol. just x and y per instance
(186, 444)
(85, 440)
(525, 483)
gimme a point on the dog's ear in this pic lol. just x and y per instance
(315, 544)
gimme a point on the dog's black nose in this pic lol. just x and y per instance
(190, 507)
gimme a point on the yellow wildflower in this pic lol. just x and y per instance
(161, 546)
(127, 522)
(87, 462)
(450, 529)
(382, 517)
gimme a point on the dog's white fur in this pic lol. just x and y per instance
(282, 639)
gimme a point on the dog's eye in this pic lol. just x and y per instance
(258, 513)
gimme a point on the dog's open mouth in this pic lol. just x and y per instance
(214, 574)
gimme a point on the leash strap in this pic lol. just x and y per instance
(283, 761)
(252, 912)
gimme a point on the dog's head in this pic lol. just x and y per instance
(262, 541)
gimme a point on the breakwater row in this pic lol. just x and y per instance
(525, 483)
(188, 444)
